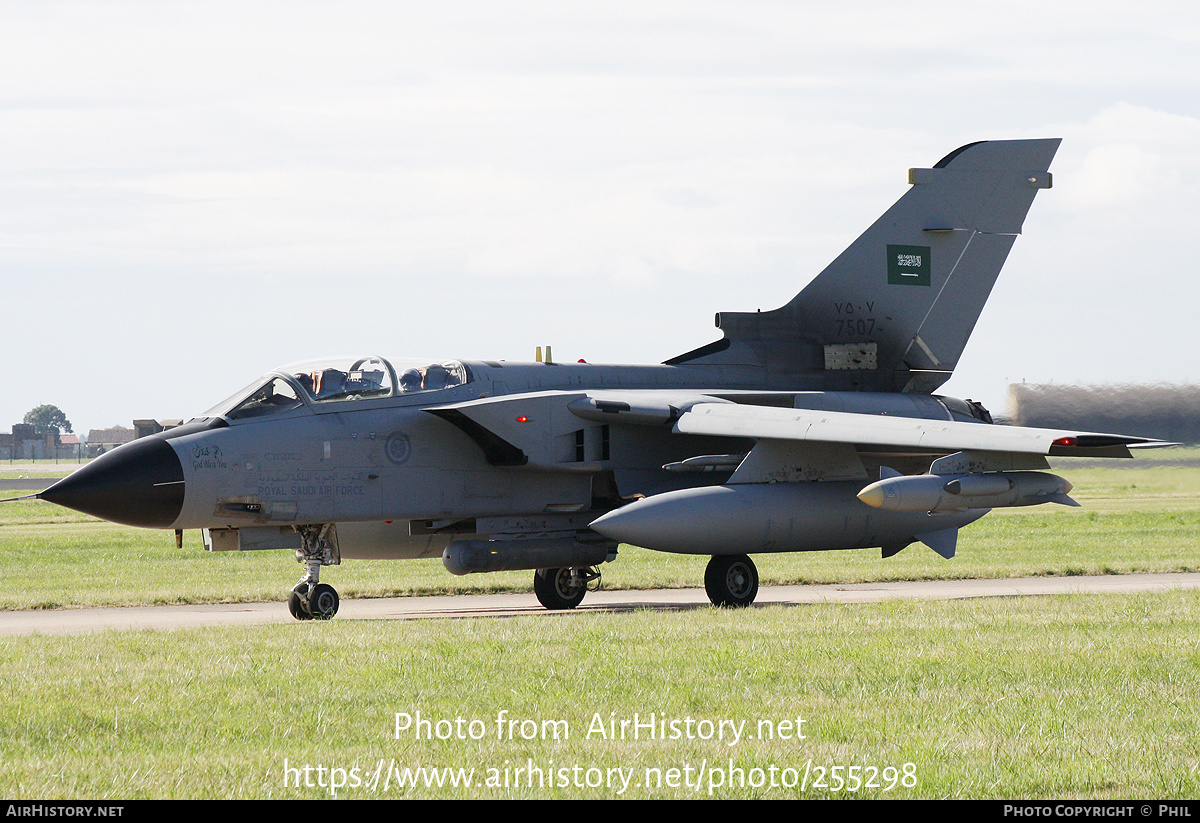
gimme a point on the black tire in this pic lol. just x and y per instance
(559, 588)
(323, 602)
(731, 580)
(296, 606)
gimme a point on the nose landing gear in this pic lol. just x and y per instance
(311, 599)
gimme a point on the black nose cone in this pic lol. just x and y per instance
(138, 484)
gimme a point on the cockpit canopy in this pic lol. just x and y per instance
(338, 380)
(326, 381)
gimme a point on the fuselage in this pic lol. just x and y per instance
(307, 444)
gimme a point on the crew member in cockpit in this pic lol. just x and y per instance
(410, 380)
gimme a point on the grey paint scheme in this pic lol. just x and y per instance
(548, 461)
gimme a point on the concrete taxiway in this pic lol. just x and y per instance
(85, 621)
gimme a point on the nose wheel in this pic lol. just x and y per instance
(311, 599)
(309, 602)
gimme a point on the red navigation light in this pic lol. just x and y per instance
(522, 419)
(1065, 441)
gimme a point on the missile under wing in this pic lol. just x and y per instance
(810, 427)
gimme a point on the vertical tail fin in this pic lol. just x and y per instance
(894, 311)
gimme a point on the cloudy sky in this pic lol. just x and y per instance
(194, 192)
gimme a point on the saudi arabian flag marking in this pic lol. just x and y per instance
(908, 265)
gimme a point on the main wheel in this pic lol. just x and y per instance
(559, 588)
(731, 580)
(323, 602)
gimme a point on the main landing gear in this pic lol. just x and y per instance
(312, 599)
(564, 588)
(731, 580)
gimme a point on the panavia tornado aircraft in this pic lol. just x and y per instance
(807, 428)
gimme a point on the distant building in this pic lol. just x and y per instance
(24, 443)
(69, 445)
(143, 428)
(101, 440)
(148, 426)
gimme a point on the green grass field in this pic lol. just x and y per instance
(1063, 697)
(1082, 696)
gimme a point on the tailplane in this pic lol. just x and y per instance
(894, 311)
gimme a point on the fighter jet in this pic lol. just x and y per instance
(811, 427)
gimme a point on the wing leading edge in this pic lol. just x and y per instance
(875, 431)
